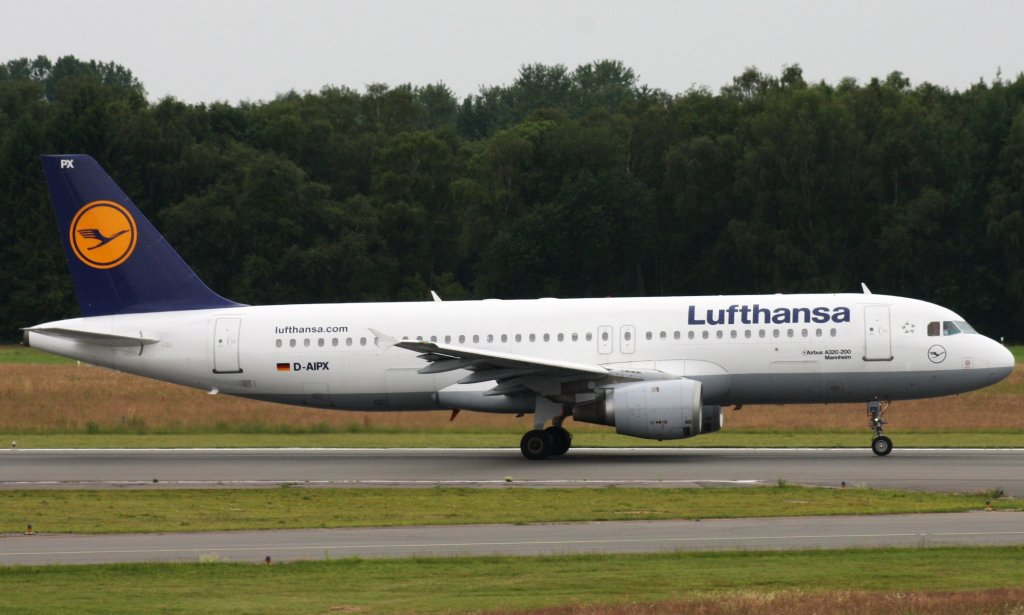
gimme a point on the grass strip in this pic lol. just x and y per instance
(177, 510)
(24, 354)
(389, 438)
(432, 585)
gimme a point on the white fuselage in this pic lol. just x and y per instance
(744, 349)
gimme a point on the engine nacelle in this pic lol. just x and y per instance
(653, 409)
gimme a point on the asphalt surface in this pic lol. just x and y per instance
(913, 469)
(959, 470)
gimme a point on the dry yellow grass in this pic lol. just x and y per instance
(70, 397)
(990, 602)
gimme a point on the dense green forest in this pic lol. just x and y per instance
(566, 182)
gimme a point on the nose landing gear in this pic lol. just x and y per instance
(880, 445)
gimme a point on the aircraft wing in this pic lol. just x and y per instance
(513, 373)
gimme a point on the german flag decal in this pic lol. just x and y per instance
(284, 367)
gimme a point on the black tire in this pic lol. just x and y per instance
(561, 440)
(536, 444)
(881, 446)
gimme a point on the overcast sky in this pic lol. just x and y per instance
(206, 50)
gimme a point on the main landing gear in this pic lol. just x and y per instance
(880, 445)
(541, 443)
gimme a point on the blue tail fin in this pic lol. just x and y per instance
(119, 263)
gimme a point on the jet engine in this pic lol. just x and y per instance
(652, 409)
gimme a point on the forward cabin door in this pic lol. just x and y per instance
(225, 346)
(877, 339)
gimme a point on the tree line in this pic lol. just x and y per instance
(566, 182)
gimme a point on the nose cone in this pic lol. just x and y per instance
(1001, 361)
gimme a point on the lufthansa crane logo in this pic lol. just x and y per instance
(936, 354)
(103, 234)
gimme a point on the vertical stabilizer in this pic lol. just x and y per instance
(119, 263)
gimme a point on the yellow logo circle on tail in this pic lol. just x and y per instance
(103, 234)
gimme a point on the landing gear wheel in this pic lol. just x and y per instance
(561, 440)
(881, 446)
(536, 444)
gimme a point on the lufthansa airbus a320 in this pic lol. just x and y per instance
(658, 368)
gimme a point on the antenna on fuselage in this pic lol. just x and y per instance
(864, 287)
(434, 295)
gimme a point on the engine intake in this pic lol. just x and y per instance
(652, 409)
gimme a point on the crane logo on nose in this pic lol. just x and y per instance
(936, 354)
(103, 234)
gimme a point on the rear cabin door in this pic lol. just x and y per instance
(877, 340)
(225, 346)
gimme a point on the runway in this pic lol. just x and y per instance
(547, 539)
(958, 470)
(914, 469)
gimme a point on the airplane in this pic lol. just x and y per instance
(660, 368)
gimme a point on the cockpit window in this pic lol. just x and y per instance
(949, 327)
(964, 327)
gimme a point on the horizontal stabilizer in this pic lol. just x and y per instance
(96, 338)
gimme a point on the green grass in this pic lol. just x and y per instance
(509, 439)
(23, 354)
(436, 585)
(174, 510)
